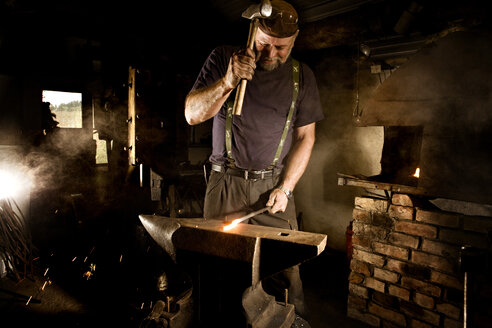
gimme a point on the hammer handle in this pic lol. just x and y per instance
(238, 101)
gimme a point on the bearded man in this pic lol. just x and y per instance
(259, 156)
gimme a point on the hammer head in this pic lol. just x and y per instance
(261, 10)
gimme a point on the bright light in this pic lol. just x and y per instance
(417, 172)
(12, 184)
(67, 106)
(58, 97)
(233, 224)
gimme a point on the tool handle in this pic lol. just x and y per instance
(250, 215)
(241, 90)
(238, 101)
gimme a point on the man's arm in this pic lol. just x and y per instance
(203, 104)
(295, 166)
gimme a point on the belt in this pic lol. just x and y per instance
(246, 174)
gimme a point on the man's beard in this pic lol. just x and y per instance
(273, 63)
(270, 65)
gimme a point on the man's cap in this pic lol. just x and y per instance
(282, 23)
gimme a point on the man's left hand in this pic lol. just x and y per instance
(278, 201)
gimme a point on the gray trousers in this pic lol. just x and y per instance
(229, 197)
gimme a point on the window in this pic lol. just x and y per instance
(67, 106)
(101, 149)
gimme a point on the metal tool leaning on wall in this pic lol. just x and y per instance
(259, 156)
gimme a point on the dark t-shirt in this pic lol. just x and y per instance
(258, 130)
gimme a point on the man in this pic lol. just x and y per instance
(252, 164)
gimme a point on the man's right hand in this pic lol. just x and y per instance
(242, 65)
(203, 104)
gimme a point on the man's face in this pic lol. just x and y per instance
(271, 52)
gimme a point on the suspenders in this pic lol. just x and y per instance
(228, 127)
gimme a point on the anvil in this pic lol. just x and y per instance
(269, 250)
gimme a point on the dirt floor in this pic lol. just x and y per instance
(66, 296)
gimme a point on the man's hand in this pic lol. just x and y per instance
(203, 104)
(242, 65)
(296, 163)
(278, 201)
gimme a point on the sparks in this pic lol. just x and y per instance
(27, 303)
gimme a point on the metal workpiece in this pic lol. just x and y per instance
(269, 250)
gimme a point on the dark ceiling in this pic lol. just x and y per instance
(74, 33)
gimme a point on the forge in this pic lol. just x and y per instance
(416, 235)
(246, 255)
(436, 117)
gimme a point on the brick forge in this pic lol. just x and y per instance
(405, 267)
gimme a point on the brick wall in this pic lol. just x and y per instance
(405, 268)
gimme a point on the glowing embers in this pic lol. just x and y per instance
(89, 273)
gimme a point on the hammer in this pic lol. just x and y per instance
(253, 12)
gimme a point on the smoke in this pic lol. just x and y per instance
(43, 169)
(63, 157)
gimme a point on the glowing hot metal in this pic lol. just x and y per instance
(235, 222)
(232, 225)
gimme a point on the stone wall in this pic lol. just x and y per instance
(405, 269)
